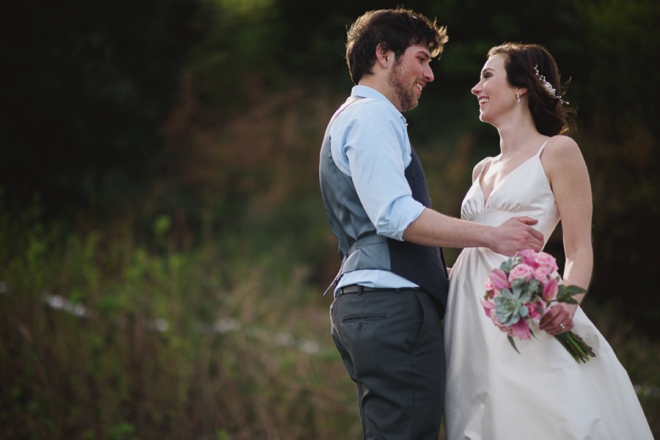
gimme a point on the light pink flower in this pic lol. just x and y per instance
(546, 260)
(534, 313)
(488, 306)
(498, 324)
(521, 329)
(550, 290)
(490, 288)
(499, 279)
(542, 273)
(528, 257)
(521, 271)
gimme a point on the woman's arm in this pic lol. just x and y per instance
(569, 179)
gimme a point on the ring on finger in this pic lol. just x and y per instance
(561, 325)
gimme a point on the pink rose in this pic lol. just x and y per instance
(498, 324)
(499, 279)
(528, 257)
(534, 313)
(542, 273)
(547, 261)
(521, 271)
(550, 290)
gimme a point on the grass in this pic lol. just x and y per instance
(106, 337)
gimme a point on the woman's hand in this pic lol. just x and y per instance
(558, 319)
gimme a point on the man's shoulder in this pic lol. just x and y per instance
(369, 109)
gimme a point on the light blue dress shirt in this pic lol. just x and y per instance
(369, 142)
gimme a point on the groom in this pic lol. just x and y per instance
(391, 290)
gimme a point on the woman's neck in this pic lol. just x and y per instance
(517, 136)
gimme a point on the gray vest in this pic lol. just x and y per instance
(360, 247)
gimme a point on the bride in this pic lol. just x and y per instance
(542, 393)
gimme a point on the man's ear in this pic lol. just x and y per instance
(384, 56)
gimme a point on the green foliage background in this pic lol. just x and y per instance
(163, 245)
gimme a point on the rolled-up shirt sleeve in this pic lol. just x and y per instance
(374, 150)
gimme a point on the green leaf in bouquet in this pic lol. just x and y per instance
(508, 265)
(535, 287)
(523, 312)
(513, 343)
(575, 290)
(510, 306)
(566, 293)
(520, 289)
(566, 299)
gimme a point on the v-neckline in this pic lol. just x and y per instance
(499, 184)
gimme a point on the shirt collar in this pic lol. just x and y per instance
(368, 92)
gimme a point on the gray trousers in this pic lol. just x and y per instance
(391, 342)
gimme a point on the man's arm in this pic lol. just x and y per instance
(373, 140)
(370, 145)
(434, 229)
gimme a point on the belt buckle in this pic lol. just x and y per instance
(350, 289)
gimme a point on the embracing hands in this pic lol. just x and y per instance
(516, 234)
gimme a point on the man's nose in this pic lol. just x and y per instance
(428, 74)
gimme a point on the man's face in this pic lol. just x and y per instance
(409, 76)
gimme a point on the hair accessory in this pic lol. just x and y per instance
(546, 85)
(518, 97)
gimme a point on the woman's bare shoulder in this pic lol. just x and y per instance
(562, 159)
(561, 150)
(562, 144)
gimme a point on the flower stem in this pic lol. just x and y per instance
(576, 346)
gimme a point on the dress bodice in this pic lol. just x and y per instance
(525, 191)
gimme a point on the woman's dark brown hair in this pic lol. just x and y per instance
(521, 65)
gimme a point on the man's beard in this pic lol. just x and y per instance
(405, 94)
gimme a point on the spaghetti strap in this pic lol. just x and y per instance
(542, 147)
(486, 164)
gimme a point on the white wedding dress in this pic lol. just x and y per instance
(494, 393)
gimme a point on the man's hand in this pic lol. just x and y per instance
(515, 235)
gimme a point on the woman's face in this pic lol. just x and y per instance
(496, 96)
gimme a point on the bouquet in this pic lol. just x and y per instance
(522, 290)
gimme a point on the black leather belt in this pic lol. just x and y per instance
(355, 288)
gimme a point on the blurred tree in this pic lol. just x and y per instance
(89, 83)
(239, 53)
(90, 86)
(619, 100)
(607, 49)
